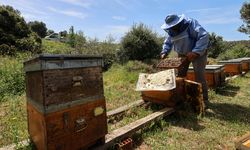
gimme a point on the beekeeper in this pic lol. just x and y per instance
(189, 39)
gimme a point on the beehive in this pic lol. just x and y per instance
(214, 75)
(232, 67)
(245, 63)
(65, 101)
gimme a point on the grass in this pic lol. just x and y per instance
(53, 47)
(227, 119)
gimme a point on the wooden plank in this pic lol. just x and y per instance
(131, 128)
(124, 108)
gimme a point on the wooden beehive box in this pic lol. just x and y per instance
(232, 67)
(186, 91)
(65, 101)
(214, 75)
(245, 63)
(168, 98)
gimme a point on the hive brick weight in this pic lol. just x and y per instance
(65, 101)
(214, 75)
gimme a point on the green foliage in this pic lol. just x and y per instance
(139, 43)
(80, 41)
(245, 16)
(15, 34)
(236, 51)
(132, 66)
(71, 37)
(39, 28)
(216, 45)
(50, 32)
(52, 47)
(12, 77)
(107, 49)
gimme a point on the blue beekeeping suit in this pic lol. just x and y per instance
(189, 39)
(192, 38)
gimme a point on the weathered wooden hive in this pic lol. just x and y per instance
(214, 75)
(65, 101)
(232, 67)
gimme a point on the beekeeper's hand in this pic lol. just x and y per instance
(191, 56)
(163, 56)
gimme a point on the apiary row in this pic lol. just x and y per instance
(215, 74)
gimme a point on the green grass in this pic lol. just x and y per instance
(228, 119)
(53, 47)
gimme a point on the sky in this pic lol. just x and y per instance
(102, 18)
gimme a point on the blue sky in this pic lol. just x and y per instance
(101, 18)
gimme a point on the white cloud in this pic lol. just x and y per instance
(71, 13)
(120, 29)
(81, 3)
(120, 18)
(220, 20)
(216, 15)
(29, 9)
(202, 10)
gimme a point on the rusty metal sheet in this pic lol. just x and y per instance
(161, 81)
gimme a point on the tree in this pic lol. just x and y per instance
(80, 41)
(63, 33)
(39, 28)
(71, 36)
(139, 43)
(50, 32)
(215, 45)
(245, 16)
(15, 34)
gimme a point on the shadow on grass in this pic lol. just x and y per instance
(227, 90)
(229, 112)
(189, 120)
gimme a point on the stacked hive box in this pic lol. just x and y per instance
(232, 67)
(65, 101)
(214, 75)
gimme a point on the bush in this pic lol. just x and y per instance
(236, 51)
(139, 43)
(30, 44)
(216, 45)
(15, 34)
(12, 77)
(132, 66)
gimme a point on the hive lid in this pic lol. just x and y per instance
(210, 67)
(231, 61)
(61, 61)
(161, 81)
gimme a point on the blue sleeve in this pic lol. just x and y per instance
(167, 46)
(201, 36)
